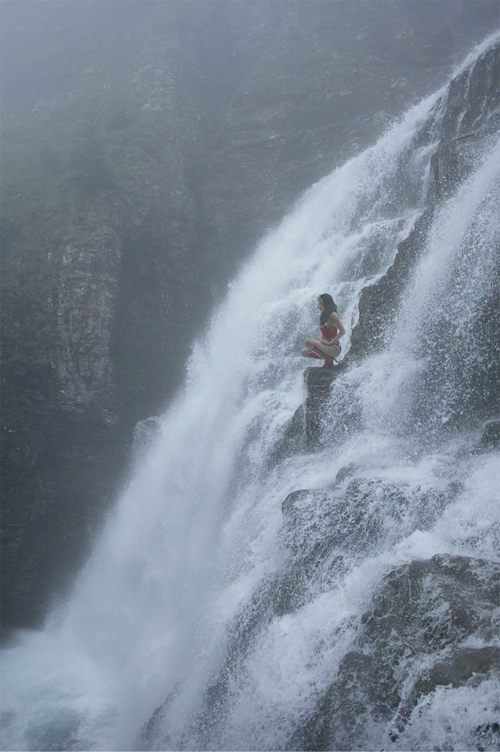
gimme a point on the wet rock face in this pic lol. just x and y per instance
(411, 641)
(432, 625)
(378, 303)
(319, 383)
(474, 99)
(472, 114)
(85, 315)
(326, 531)
(471, 118)
(491, 435)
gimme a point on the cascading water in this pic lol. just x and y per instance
(210, 618)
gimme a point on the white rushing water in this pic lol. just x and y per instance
(198, 533)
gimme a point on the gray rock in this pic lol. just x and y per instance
(319, 383)
(491, 435)
(410, 642)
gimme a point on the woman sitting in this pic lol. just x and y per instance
(328, 347)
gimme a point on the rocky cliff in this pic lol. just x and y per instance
(146, 147)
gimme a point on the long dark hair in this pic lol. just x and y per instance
(329, 306)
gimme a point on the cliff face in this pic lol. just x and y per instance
(146, 147)
(471, 119)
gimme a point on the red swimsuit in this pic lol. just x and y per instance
(330, 334)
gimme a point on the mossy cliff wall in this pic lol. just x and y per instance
(146, 146)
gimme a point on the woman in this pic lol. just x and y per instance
(328, 347)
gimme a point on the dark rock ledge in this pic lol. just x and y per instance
(319, 384)
(412, 640)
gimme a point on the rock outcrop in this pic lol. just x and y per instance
(412, 640)
(319, 384)
(470, 120)
(471, 117)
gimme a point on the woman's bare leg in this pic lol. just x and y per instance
(306, 353)
(331, 351)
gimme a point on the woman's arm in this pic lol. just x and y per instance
(336, 322)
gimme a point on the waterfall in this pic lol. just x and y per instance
(208, 616)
